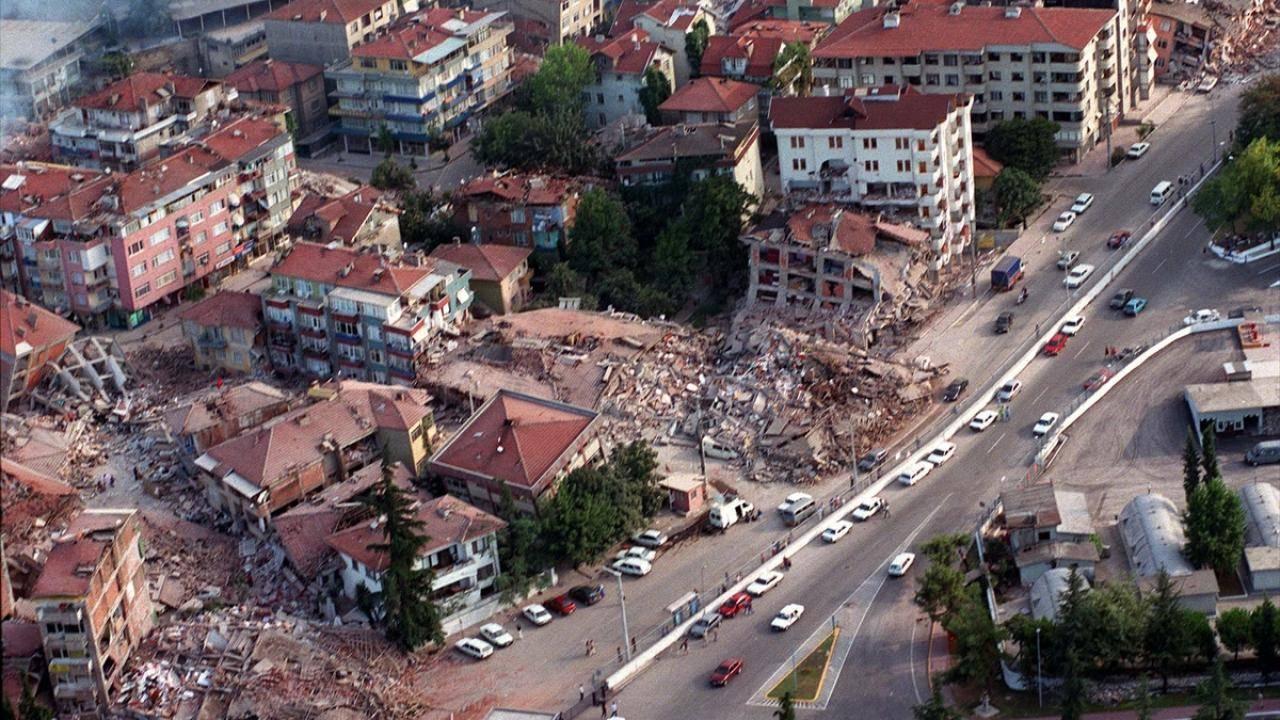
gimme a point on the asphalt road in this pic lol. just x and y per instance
(884, 672)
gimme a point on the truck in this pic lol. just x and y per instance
(1006, 273)
(724, 515)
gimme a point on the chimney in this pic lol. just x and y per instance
(1013, 11)
(892, 19)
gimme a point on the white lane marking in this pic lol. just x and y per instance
(965, 315)
(1264, 271)
(915, 686)
(1082, 348)
(997, 442)
(1193, 228)
(1157, 267)
(1042, 392)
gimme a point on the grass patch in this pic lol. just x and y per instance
(805, 681)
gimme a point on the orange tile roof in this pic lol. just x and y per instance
(984, 165)
(242, 136)
(56, 192)
(340, 218)
(226, 309)
(219, 405)
(850, 232)
(33, 480)
(489, 262)
(883, 108)
(322, 264)
(711, 94)
(325, 11)
(630, 53)
(143, 89)
(525, 189)
(68, 571)
(160, 177)
(411, 37)
(932, 28)
(446, 520)
(22, 321)
(271, 76)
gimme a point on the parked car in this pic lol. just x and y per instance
(764, 583)
(1004, 322)
(873, 459)
(1078, 275)
(901, 564)
(562, 604)
(705, 624)
(1072, 325)
(1083, 202)
(1202, 316)
(632, 566)
(868, 508)
(1137, 150)
(912, 475)
(941, 453)
(1118, 239)
(1056, 344)
(787, 616)
(1064, 221)
(474, 648)
(794, 499)
(496, 635)
(1045, 424)
(837, 531)
(587, 594)
(1098, 379)
(1135, 306)
(536, 614)
(734, 605)
(954, 391)
(1120, 298)
(1067, 258)
(637, 552)
(728, 670)
(650, 538)
(983, 420)
(1009, 390)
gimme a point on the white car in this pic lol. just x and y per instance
(637, 552)
(764, 583)
(632, 566)
(941, 453)
(868, 509)
(912, 475)
(1137, 150)
(792, 499)
(1064, 221)
(901, 564)
(1009, 390)
(650, 538)
(787, 617)
(1072, 325)
(1045, 424)
(474, 647)
(1202, 316)
(1082, 203)
(496, 635)
(1078, 275)
(837, 531)
(536, 614)
(983, 420)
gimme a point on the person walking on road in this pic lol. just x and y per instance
(613, 709)
(582, 692)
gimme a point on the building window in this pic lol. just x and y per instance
(517, 215)
(1016, 57)
(1016, 77)
(923, 167)
(196, 217)
(138, 270)
(224, 247)
(797, 142)
(346, 328)
(798, 164)
(166, 278)
(135, 248)
(931, 79)
(399, 65)
(993, 57)
(904, 166)
(162, 258)
(994, 76)
(160, 237)
(1041, 96)
(997, 95)
(872, 165)
(1019, 97)
(201, 237)
(950, 60)
(835, 143)
(143, 289)
(370, 63)
(901, 144)
(220, 228)
(217, 207)
(953, 80)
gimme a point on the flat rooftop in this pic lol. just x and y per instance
(1232, 396)
(27, 43)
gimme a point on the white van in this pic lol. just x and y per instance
(1161, 192)
(798, 512)
(1264, 453)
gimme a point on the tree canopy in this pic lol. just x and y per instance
(558, 84)
(1260, 112)
(1215, 526)
(656, 90)
(1016, 195)
(424, 221)
(695, 44)
(390, 175)
(1246, 193)
(1027, 145)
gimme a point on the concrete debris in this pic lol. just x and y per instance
(90, 373)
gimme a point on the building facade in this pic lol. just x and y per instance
(668, 23)
(225, 50)
(339, 311)
(356, 218)
(40, 65)
(892, 149)
(423, 79)
(225, 331)
(93, 606)
(517, 209)
(223, 413)
(500, 274)
(712, 100)
(295, 85)
(323, 32)
(621, 64)
(1055, 63)
(30, 336)
(553, 22)
(701, 150)
(750, 52)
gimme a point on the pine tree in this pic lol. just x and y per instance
(1215, 693)
(1266, 636)
(1073, 690)
(1190, 466)
(1142, 704)
(1209, 454)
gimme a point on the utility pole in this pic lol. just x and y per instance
(622, 598)
(1039, 680)
(1213, 128)
(973, 264)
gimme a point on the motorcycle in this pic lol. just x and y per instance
(1022, 297)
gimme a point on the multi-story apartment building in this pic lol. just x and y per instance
(296, 85)
(892, 149)
(1016, 62)
(93, 606)
(424, 78)
(517, 209)
(552, 22)
(712, 100)
(40, 65)
(110, 247)
(323, 32)
(700, 151)
(126, 123)
(225, 50)
(620, 64)
(30, 336)
(750, 51)
(357, 218)
(500, 274)
(340, 311)
(666, 22)
(224, 331)
(222, 413)
(348, 426)
(1135, 64)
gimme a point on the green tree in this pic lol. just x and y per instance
(117, 64)
(1209, 454)
(390, 175)
(579, 523)
(940, 590)
(550, 140)
(793, 70)
(1235, 629)
(559, 82)
(935, 708)
(1215, 526)
(425, 222)
(1114, 619)
(386, 141)
(636, 465)
(1022, 631)
(410, 617)
(600, 239)
(1166, 640)
(717, 209)
(564, 281)
(944, 548)
(1259, 111)
(1215, 694)
(1252, 180)
(695, 44)
(786, 708)
(1190, 466)
(977, 655)
(1142, 704)
(1028, 145)
(28, 707)
(1016, 194)
(656, 90)
(1265, 632)
(674, 264)
(518, 550)
(1074, 697)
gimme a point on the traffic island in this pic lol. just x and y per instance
(805, 681)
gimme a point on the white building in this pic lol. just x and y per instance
(1054, 63)
(894, 149)
(1262, 538)
(620, 65)
(667, 22)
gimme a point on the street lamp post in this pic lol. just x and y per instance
(1213, 128)
(1039, 681)
(622, 598)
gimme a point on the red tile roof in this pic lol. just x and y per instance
(339, 218)
(22, 321)
(56, 192)
(241, 137)
(160, 177)
(271, 76)
(882, 108)
(675, 14)
(326, 11)
(524, 189)
(34, 480)
(492, 263)
(711, 95)
(984, 165)
(226, 309)
(515, 438)
(753, 10)
(348, 268)
(224, 405)
(144, 89)
(410, 38)
(630, 53)
(446, 521)
(760, 42)
(932, 28)
(852, 233)
(69, 568)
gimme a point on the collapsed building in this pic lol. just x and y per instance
(1214, 36)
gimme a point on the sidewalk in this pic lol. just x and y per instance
(1164, 102)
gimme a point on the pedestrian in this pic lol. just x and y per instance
(588, 645)
(582, 692)
(620, 653)
(604, 709)
(715, 636)
(684, 645)
(750, 609)
(519, 632)
(613, 709)
(633, 644)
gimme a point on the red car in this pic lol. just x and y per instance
(1056, 344)
(726, 672)
(1098, 379)
(563, 605)
(735, 604)
(1118, 239)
